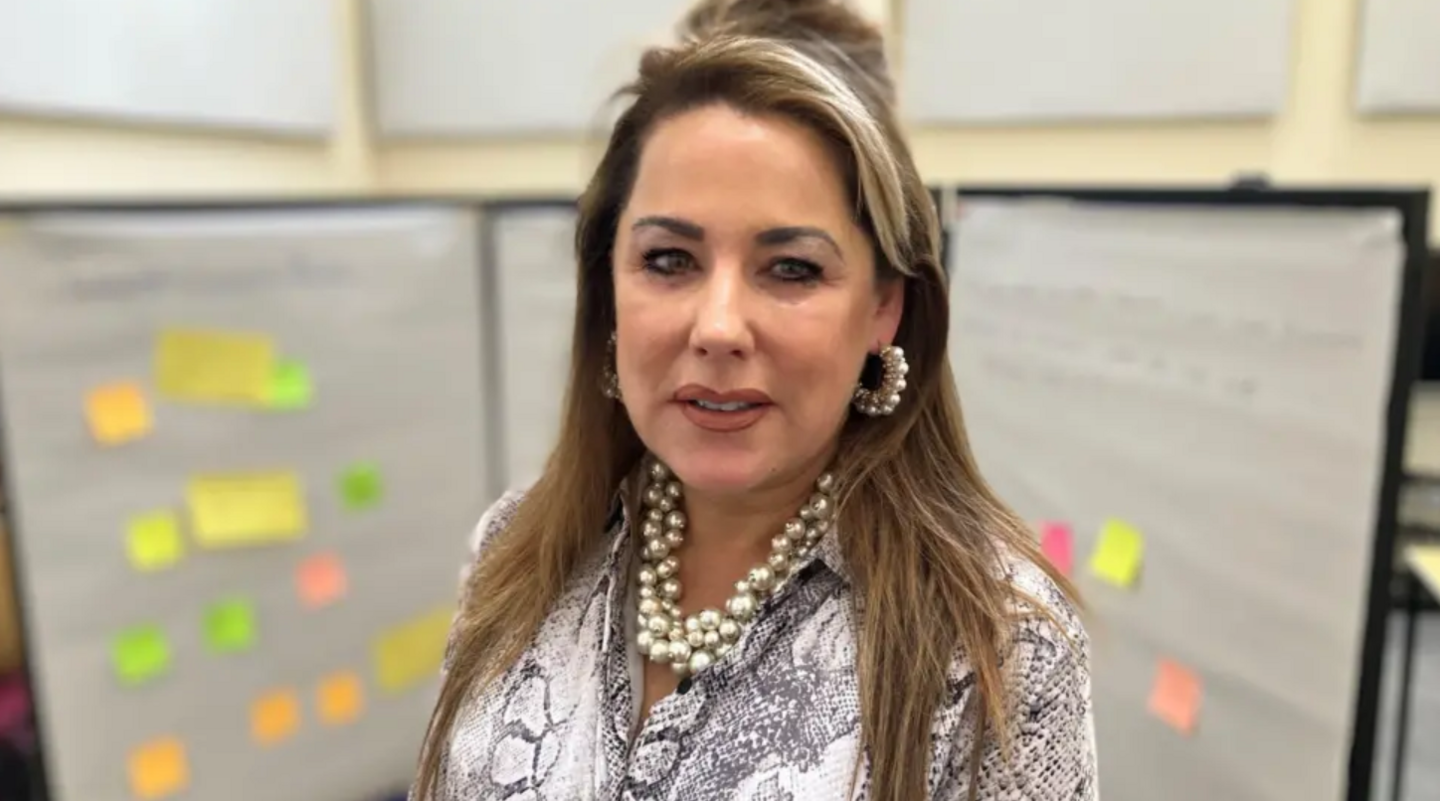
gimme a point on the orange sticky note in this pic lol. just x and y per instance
(321, 580)
(1175, 698)
(340, 699)
(117, 413)
(1055, 541)
(158, 769)
(274, 717)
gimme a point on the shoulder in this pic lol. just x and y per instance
(493, 521)
(1048, 625)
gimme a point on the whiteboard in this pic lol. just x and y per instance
(446, 68)
(1218, 379)
(1007, 61)
(381, 306)
(261, 65)
(1399, 57)
(531, 253)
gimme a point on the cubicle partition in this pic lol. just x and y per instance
(1199, 399)
(244, 447)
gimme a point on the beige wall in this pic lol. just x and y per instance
(1316, 140)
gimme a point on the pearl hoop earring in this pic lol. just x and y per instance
(881, 401)
(609, 379)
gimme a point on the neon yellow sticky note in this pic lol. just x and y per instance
(242, 509)
(1118, 554)
(340, 699)
(230, 626)
(411, 653)
(117, 413)
(274, 717)
(214, 366)
(152, 540)
(158, 769)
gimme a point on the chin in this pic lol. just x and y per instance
(716, 471)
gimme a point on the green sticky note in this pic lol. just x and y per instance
(289, 385)
(1118, 554)
(361, 486)
(230, 626)
(140, 654)
(152, 540)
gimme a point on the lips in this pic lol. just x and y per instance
(724, 412)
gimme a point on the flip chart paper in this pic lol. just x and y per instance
(1056, 541)
(321, 580)
(1175, 698)
(214, 366)
(246, 509)
(274, 717)
(340, 699)
(117, 413)
(140, 654)
(158, 769)
(153, 541)
(290, 385)
(411, 653)
(230, 626)
(361, 486)
(1118, 554)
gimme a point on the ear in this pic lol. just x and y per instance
(891, 307)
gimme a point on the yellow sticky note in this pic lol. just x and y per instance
(1119, 554)
(158, 769)
(1175, 696)
(340, 699)
(152, 540)
(214, 366)
(412, 652)
(246, 509)
(274, 717)
(117, 413)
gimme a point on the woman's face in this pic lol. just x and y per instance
(746, 300)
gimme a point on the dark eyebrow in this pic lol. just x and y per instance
(675, 226)
(781, 236)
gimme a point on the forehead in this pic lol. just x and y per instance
(718, 165)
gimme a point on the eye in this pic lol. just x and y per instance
(797, 271)
(667, 261)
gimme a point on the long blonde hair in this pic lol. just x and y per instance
(921, 531)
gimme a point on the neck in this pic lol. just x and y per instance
(742, 526)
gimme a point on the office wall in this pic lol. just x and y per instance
(1318, 139)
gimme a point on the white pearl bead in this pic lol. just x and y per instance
(699, 661)
(806, 513)
(658, 625)
(742, 607)
(646, 591)
(654, 494)
(682, 669)
(692, 623)
(659, 472)
(649, 606)
(665, 505)
(729, 631)
(655, 515)
(696, 638)
(674, 538)
(722, 650)
(651, 530)
(647, 576)
(668, 567)
(680, 651)
(712, 639)
(658, 549)
(782, 544)
(670, 589)
(795, 529)
(644, 640)
(826, 483)
(761, 578)
(660, 651)
(742, 586)
(821, 506)
(673, 490)
(675, 519)
(709, 619)
(779, 563)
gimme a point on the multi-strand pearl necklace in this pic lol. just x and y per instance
(694, 643)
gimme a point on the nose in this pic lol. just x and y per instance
(722, 325)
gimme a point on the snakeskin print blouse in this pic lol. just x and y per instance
(777, 718)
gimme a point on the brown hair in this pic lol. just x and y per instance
(921, 531)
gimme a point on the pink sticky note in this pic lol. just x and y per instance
(321, 580)
(1055, 541)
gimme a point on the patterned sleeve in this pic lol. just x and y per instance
(492, 522)
(1052, 746)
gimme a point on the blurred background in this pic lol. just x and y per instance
(284, 298)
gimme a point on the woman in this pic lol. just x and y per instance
(740, 577)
